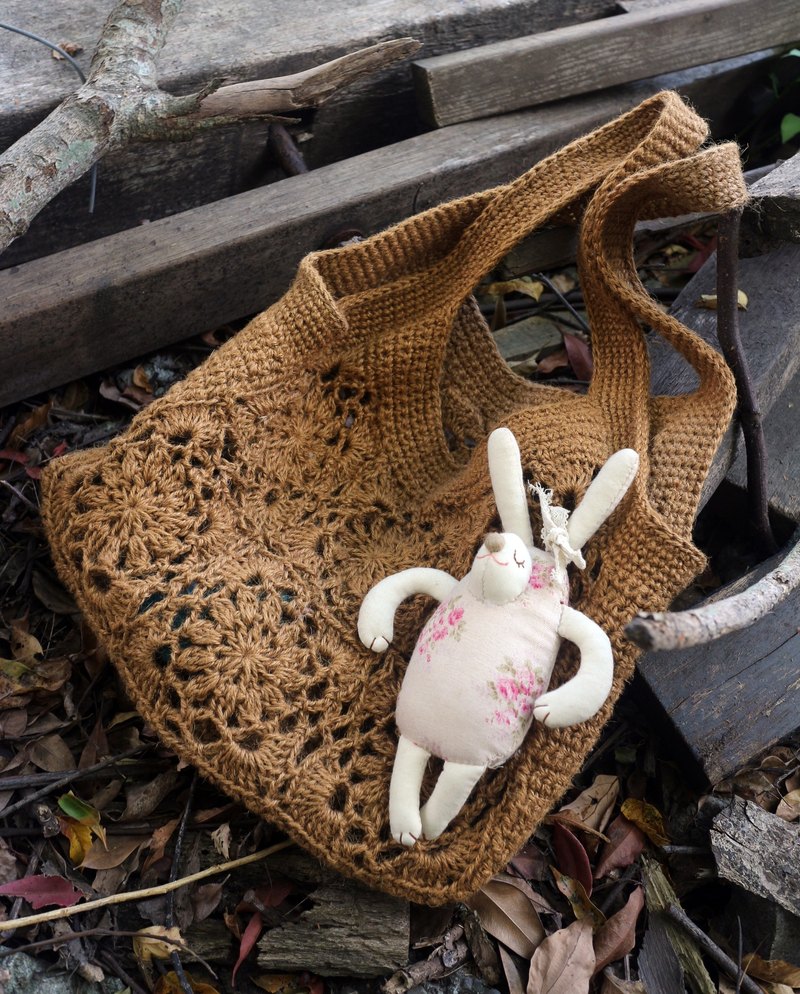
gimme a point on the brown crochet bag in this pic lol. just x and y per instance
(221, 547)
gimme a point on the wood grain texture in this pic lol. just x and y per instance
(770, 330)
(774, 215)
(758, 851)
(238, 41)
(97, 304)
(534, 69)
(782, 436)
(733, 698)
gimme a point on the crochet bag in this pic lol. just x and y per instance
(222, 546)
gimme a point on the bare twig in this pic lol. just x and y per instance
(731, 344)
(121, 103)
(174, 956)
(723, 961)
(283, 147)
(68, 778)
(140, 895)
(679, 630)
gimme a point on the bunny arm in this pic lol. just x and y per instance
(376, 615)
(582, 696)
(505, 470)
(603, 495)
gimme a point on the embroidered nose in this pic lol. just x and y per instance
(494, 542)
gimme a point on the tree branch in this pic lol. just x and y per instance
(679, 630)
(121, 103)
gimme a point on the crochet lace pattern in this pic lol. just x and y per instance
(221, 547)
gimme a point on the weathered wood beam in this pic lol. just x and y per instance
(124, 295)
(774, 214)
(534, 69)
(735, 697)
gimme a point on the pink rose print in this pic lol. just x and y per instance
(446, 622)
(515, 691)
(541, 576)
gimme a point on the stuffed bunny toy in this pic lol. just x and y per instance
(478, 674)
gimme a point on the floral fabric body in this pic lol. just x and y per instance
(477, 669)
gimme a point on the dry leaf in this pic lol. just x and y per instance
(573, 860)
(525, 285)
(775, 971)
(542, 905)
(515, 969)
(789, 806)
(158, 843)
(580, 356)
(648, 818)
(709, 301)
(99, 857)
(143, 799)
(617, 985)
(550, 363)
(594, 805)
(564, 962)
(205, 900)
(617, 937)
(148, 945)
(8, 864)
(70, 47)
(170, 983)
(221, 838)
(249, 938)
(574, 891)
(625, 844)
(51, 753)
(563, 282)
(530, 863)
(508, 914)
(40, 891)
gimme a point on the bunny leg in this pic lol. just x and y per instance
(505, 470)
(582, 696)
(452, 789)
(604, 493)
(407, 774)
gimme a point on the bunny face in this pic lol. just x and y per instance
(501, 569)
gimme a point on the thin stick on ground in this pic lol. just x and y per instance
(723, 961)
(174, 956)
(146, 892)
(681, 629)
(67, 779)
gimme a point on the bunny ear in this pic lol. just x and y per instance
(505, 470)
(605, 492)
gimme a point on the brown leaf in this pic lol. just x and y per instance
(515, 970)
(550, 363)
(120, 847)
(530, 863)
(775, 971)
(8, 863)
(205, 900)
(617, 937)
(23, 645)
(625, 845)
(580, 356)
(143, 799)
(158, 843)
(594, 805)
(70, 47)
(575, 893)
(648, 818)
(508, 914)
(221, 837)
(52, 594)
(96, 747)
(564, 962)
(51, 753)
(524, 285)
(148, 945)
(542, 905)
(789, 806)
(618, 985)
(28, 424)
(572, 858)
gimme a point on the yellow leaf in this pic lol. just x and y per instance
(80, 839)
(525, 285)
(574, 891)
(647, 818)
(709, 301)
(170, 984)
(148, 943)
(279, 983)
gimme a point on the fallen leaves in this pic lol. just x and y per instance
(564, 963)
(709, 301)
(626, 843)
(154, 942)
(509, 915)
(593, 806)
(81, 824)
(647, 818)
(43, 891)
(617, 937)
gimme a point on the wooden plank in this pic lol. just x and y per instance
(782, 436)
(534, 69)
(770, 330)
(79, 311)
(733, 698)
(758, 851)
(238, 40)
(774, 215)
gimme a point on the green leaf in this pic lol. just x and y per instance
(77, 809)
(790, 127)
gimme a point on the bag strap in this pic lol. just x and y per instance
(686, 429)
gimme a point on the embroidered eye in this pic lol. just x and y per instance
(520, 564)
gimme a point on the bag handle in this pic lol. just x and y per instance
(618, 304)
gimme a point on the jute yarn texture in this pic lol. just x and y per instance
(221, 547)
